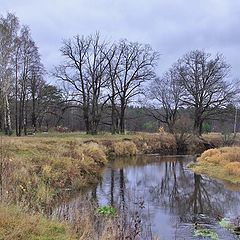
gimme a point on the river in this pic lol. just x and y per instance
(166, 198)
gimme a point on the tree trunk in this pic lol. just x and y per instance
(197, 129)
(122, 123)
(122, 117)
(34, 118)
(16, 114)
(20, 118)
(171, 127)
(94, 127)
(25, 119)
(87, 124)
(7, 117)
(114, 118)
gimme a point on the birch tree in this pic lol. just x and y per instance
(8, 31)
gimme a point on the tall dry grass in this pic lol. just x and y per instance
(163, 143)
(124, 148)
(38, 172)
(222, 163)
(221, 156)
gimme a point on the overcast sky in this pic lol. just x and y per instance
(173, 27)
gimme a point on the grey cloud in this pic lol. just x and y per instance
(173, 27)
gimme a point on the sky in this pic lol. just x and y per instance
(172, 27)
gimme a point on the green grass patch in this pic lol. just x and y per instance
(106, 211)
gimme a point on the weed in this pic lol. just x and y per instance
(204, 232)
(14, 224)
(233, 168)
(224, 223)
(106, 211)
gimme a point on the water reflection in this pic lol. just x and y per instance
(166, 195)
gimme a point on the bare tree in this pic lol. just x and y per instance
(36, 83)
(84, 69)
(137, 64)
(114, 58)
(163, 99)
(28, 67)
(204, 79)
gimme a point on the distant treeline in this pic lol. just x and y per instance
(99, 82)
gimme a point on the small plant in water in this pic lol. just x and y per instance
(231, 226)
(106, 211)
(224, 223)
(204, 232)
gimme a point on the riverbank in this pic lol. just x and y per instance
(39, 171)
(222, 163)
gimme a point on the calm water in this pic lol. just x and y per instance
(167, 197)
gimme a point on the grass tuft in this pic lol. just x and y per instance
(124, 148)
(222, 163)
(15, 224)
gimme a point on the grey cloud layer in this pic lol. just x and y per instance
(173, 27)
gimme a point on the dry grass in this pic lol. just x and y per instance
(124, 148)
(233, 168)
(14, 224)
(163, 143)
(86, 224)
(222, 163)
(221, 140)
(216, 138)
(39, 170)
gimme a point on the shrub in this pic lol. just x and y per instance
(156, 143)
(211, 156)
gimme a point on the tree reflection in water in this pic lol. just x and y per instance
(164, 185)
(163, 194)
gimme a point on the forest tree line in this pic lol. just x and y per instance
(114, 86)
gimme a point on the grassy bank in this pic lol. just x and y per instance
(222, 163)
(39, 171)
